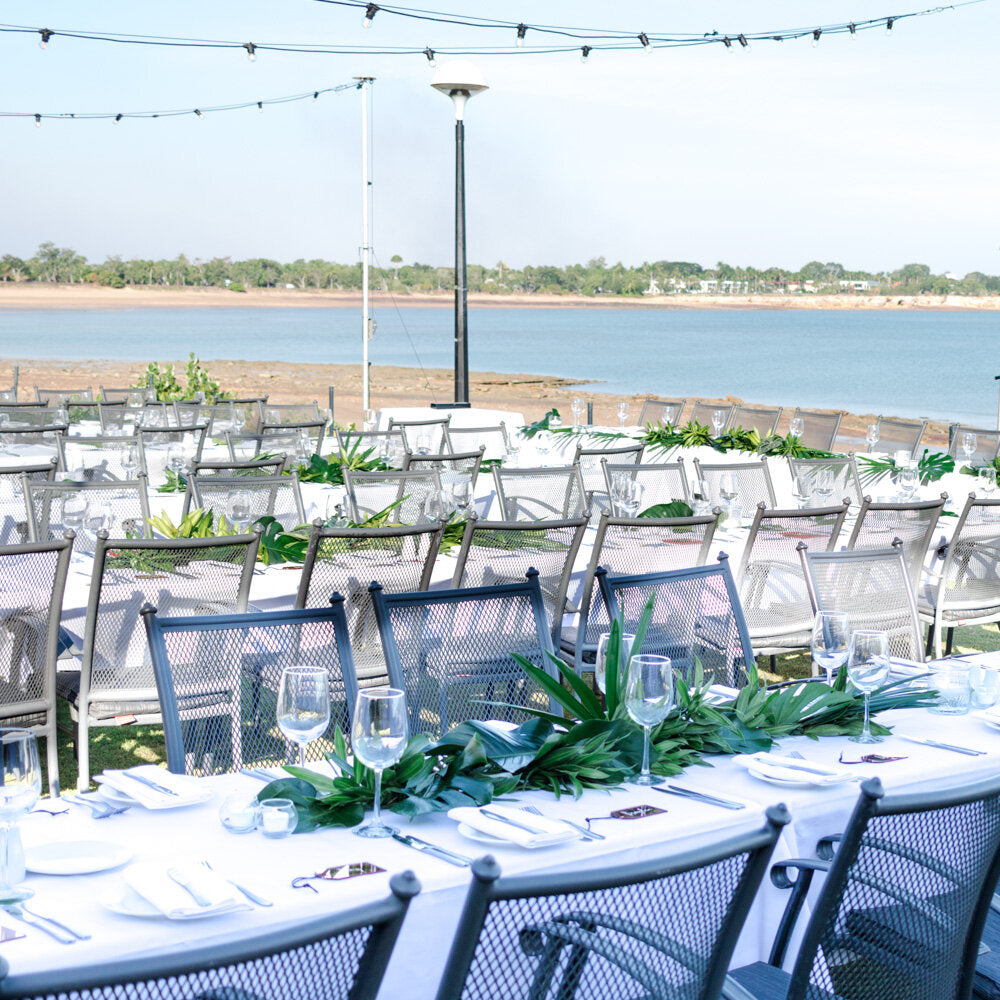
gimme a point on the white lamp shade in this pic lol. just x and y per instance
(459, 75)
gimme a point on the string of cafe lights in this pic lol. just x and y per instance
(595, 39)
(200, 112)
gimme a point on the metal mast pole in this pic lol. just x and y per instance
(461, 299)
(364, 82)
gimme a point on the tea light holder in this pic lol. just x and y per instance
(238, 814)
(278, 818)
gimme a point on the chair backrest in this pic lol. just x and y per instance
(156, 443)
(260, 467)
(903, 904)
(845, 474)
(347, 952)
(126, 499)
(913, 523)
(124, 394)
(899, 435)
(763, 419)
(218, 416)
(370, 493)
(498, 552)
(221, 666)
(59, 397)
(346, 560)
(102, 458)
(984, 448)
(626, 546)
(275, 496)
(157, 414)
(16, 439)
(702, 413)
(654, 411)
(494, 439)
(590, 461)
(279, 436)
(114, 417)
(661, 482)
(873, 587)
(450, 650)
(819, 430)
(413, 431)
(752, 479)
(697, 619)
(388, 446)
(467, 463)
(771, 581)
(540, 494)
(656, 927)
(290, 413)
(77, 412)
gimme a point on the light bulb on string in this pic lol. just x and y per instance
(118, 118)
(370, 11)
(644, 41)
(853, 29)
(584, 52)
(260, 107)
(316, 95)
(816, 34)
(251, 51)
(38, 121)
(888, 26)
(727, 42)
(522, 30)
(46, 34)
(742, 39)
(198, 113)
(429, 52)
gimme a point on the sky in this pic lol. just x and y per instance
(872, 153)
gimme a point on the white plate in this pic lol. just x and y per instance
(774, 779)
(988, 716)
(75, 857)
(125, 900)
(115, 797)
(484, 838)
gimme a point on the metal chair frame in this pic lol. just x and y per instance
(428, 478)
(447, 462)
(822, 436)
(905, 429)
(197, 496)
(701, 409)
(653, 403)
(845, 465)
(713, 470)
(63, 395)
(981, 456)
(39, 522)
(175, 435)
(640, 470)
(111, 441)
(259, 467)
(767, 416)
(404, 426)
(314, 429)
(498, 430)
(570, 473)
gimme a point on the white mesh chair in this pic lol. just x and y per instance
(845, 474)
(14, 526)
(540, 494)
(819, 430)
(270, 496)
(702, 413)
(986, 447)
(388, 446)
(371, 493)
(59, 397)
(964, 588)
(873, 587)
(656, 410)
(493, 439)
(465, 463)
(102, 458)
(660, 482)
(290, 413)
(752, 479)
(416, 431)
(913, 523)
(763, 419)
(770, 579)
(590, 462)
(898, 435)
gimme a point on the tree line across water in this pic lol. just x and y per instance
(60, 264)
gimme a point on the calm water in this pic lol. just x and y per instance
(907, 363)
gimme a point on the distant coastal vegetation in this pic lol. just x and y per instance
(598, 279)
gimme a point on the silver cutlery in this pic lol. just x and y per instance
(582, 830)
(259, 774)
(59, 923)
(98, 808)
(32, 921)
(824, 772)
(175, 876)
(149, 783)
(453, 858)
(249, 893)
(490, 814)
(945, 746)
(688, 793)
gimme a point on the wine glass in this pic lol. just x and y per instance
(728, 487)
(668, 416)
(601, 661)
(623, 411)
(633, 498)
(303, 709)
(871, 436)
(830, 638)
(239, 419)
(423, 444)
(718, 421)
(435, 508)
(988, 480)
(514, 450)
(238, 510)
(20, 790)
(868, 669)
(969, 443)
(460, 491)
(74, 514)
(578, 408)
(796, 427)
(378, 737)
(649, 696)
(175, 459)
(130, 461)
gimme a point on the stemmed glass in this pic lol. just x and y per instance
(868, 669)
(20, 790)
(649, 696)
(802, 489)
(623, 411)
(239, 419)
(830, 637)
(378, 737)
(578, 408)
(74, 514)
(601, 662)
(823, 484)
(796, 427)
(969, 443)
(871, 436)
(668, 416)
(238, 510)
(130, 461)
(460, 494)
(718, 421)
(303, 709)
(175, 459)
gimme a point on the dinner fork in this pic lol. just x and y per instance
(582, 830)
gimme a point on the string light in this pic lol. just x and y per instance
(522, 30)
(644, 41)
(742, 39)
(725, 41)
(584, 52)
(251, 51)
(118, 117)
(429, 52)
(816, 34)
(198, 113)
(46, 35)
(260, 107)
(888, 26)
(38, 121)
(853, 28)
(370, 11)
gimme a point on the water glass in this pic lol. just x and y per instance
(796, 427)
(379, 740)
(907, 479)
(131, 461)
(871, 436)
(802, 490)
(824, 482)
(718, 421)
(98, 518)
(303, 709)
(902, 458)
(578, 407)
(649, 696)
(868, 669)
(514, 450)
(423, 444)
(951, 681)
(555, 422)
(668, 416)
(21, 787)
(543, 444)
(623, 412)
(239, 419)
(74, 516)
(830, 637)
(461, 493)
(984, 683)
(435, 507)
(278, 818)
(969, 443)
(238, 510)
(601, 661)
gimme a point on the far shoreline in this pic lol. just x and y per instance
(51, 297)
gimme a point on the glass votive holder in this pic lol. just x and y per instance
(239, 814)
(278, 818)
(951, 681)
(984, 685)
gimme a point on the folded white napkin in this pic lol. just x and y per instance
(788, 769)
(152, 882)
(190, 791)
(552, 831)
(906, 668)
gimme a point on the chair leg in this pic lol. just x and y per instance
(938, 632)
(930, 639)
(947, 647)
(773, 660)
(52, 755)
(83, 754)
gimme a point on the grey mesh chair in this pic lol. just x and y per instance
(494, 440)
(218, 676)
(819, 430)
(659, 927)
(34, 578)
(661, 482)
(752, 479)
(260, 467)
(270, 496)
(590, 462)
(899, 435)
(435, 431)
(122, 394)
(12, 438)
(497, 552)
(388, 446)
(627, 547)
(157, 441)
(193, 576)
(450, 650)
(117, 418)
(157, 414)
(78, 412)
(290, 413)
(467, 463)
(59, 397)
(873, 587)
(763, 419)
(103, 458)
(540, 494)
(843, 467)
(702, 413)
(127, 502)
(964, 586)
(985, 448)
(218, 416)
(278, 437)
(901, 910)
(697, 619)
(913, 523)
(335, 956)
(14, 521)
(370, 493)
(771, 581)
(655, 411)
(346, 560)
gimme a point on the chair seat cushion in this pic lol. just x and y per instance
(68, 688)
(765, 982)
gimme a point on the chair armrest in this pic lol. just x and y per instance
(800, 889)
(732, 990)
(825, 846)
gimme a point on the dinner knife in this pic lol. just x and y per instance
(945, 746)
(33, 921)
(688, 793)
(489, 814)
(824, 772)
(459, 860)
(149, 783)
(198, 897)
